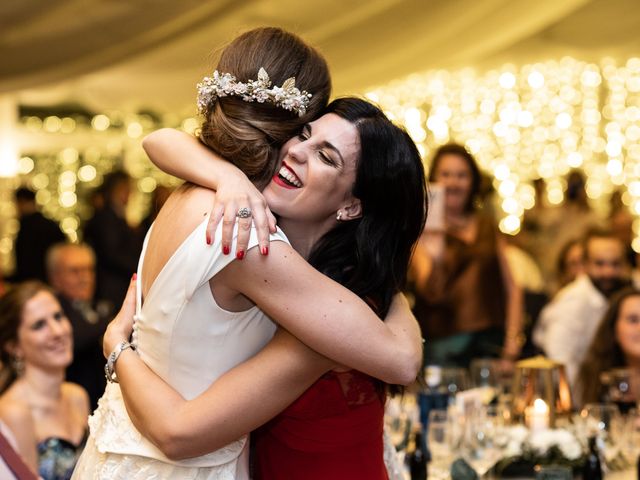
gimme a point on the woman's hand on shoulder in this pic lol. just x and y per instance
(238, 198)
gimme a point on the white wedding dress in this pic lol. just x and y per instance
(189, 341)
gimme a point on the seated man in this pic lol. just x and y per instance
(568, 323)
(71, 271)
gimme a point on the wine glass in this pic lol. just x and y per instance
(483, 434)
(439, 444)
(454, 380)
(630, 442)
(603, 420)
(484, 372)
(620, 389)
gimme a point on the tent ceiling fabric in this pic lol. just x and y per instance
(131, 54)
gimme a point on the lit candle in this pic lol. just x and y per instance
(536, 417)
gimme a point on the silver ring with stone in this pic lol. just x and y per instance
(244, 212)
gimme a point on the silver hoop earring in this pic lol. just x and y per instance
(339, 216)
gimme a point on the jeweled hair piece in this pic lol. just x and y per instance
(219, 85)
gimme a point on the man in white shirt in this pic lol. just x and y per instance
(569, 322)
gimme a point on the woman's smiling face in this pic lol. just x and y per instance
(317, 173)
(44, 335)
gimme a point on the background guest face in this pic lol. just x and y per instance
(628, 328)
(605, 263)
(573, 261)
(455, 175)
(74, 273)
(44, 335)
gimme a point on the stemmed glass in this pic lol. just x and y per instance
(603, 420)
(484, 372)
(630, 443)
(621, 388)
(439, 444)
(482, 434)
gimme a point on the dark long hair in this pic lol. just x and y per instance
(605, 352)
(370, 255)
(476, 177)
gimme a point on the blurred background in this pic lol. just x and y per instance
(532, 88)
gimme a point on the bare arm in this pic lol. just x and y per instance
(321, 313)
(240, 401)
(515, 308)
(20, 422)
(327, 317)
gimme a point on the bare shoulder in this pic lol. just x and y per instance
(75, 394)
(15, 412)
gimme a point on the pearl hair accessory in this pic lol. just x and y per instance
(219, 85)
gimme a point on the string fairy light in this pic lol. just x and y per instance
(534, 121)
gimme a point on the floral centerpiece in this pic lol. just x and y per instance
(523, 448)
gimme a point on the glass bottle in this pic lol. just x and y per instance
(418, 457)
(592, 469)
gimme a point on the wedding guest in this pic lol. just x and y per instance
(71, 270)
(116, 244)
(36, 234)
(621, 223)
(467, 302)
(572, 219)
(569, 322)
(570, 263)
(47, 415)
(12, 466)
(615, 345)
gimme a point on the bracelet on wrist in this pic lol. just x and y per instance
(109, 368)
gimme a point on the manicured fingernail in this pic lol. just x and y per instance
(134, 277)
(225, 249)
(264, 250)
(240, 254)
(208, 238)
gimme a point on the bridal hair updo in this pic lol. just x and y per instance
(249, 134)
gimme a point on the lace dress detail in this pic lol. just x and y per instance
(395, 469)
(94, 465)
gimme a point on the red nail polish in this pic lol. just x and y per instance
(134, 277)
(208, 238)
(240, 254)
(225, 249)
(264, 250)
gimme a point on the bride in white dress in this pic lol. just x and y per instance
(199, 318)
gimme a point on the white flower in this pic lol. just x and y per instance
(571, 449)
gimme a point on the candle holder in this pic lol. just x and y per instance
(539, 379)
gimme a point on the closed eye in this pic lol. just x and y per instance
(305, 134)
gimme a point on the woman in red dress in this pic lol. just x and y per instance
(334, 429)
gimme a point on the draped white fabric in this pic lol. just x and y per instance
(150, 53)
